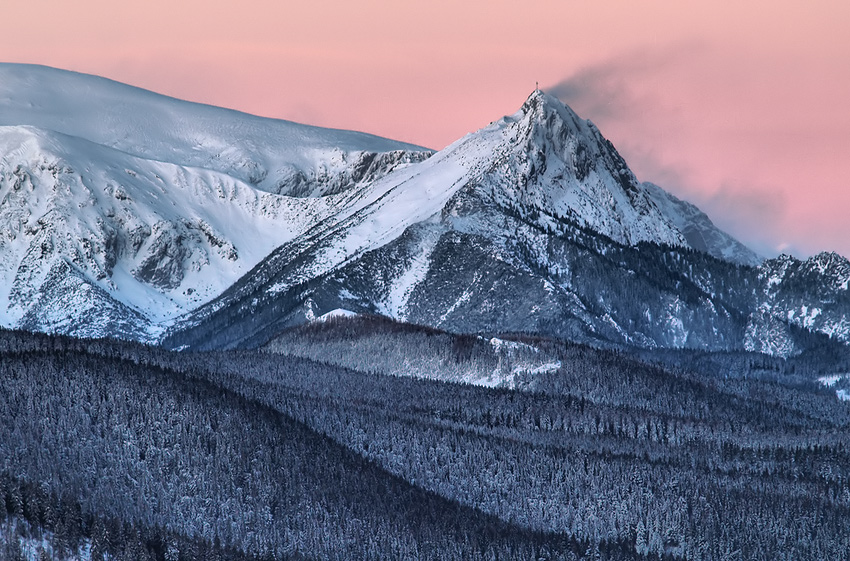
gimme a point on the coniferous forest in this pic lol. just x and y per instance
(114, 450)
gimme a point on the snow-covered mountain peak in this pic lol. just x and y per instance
(548, 109)
(781, 260)
(832, 270)
(830, 261)
(553, 167)
(832, 267)
(547, 120)
(578, 166)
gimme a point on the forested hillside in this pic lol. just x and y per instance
(605, 457)
(166, 453)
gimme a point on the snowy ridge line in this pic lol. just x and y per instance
(143, 123)
(380, 203)
(524, 196)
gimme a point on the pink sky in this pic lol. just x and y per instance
(739, 107)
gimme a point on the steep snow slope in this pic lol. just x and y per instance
(699, 230)
(157, 237)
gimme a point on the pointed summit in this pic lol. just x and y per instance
(540, 103)
(551, 122)
(535, 96)
(604, 192)
(560, 168)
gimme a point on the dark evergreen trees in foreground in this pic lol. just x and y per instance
(147, 454)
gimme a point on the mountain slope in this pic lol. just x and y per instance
(699, 230)
(122, 209)
(555, 167)
(813, 294)
(448, 241)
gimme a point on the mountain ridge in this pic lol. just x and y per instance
(131, 216)
(534, 223)
(260, 151)
(699, 230)
(500, 238)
